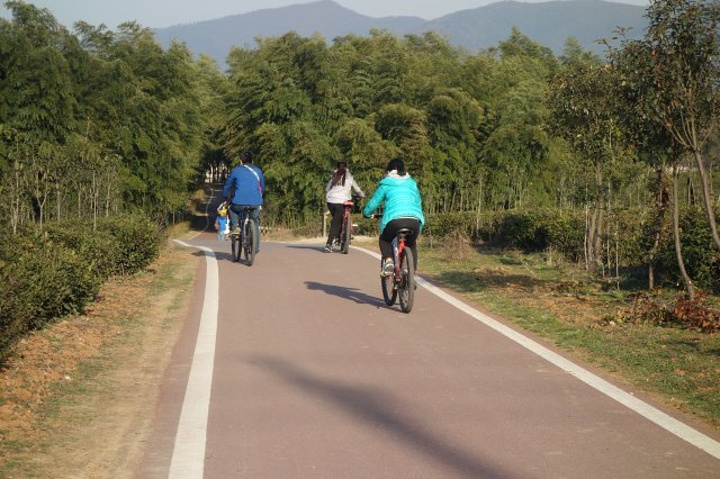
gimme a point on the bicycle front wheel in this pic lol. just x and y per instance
(346, 235)
(406, 288)
(249, 243)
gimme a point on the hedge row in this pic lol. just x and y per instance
(528, 230)
(630, 236)
(45, 275)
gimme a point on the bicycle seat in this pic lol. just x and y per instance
(404, 232)
(348, 203)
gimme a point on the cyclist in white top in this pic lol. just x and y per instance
(339, 190)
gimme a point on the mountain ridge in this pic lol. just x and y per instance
(548, 23)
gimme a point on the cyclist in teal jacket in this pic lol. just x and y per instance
(403, 209)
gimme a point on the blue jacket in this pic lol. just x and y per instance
(401, 197)
(249, 184)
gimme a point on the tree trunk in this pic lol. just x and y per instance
(689, 288)
(707, 198)
(586, 243)
(660, 207)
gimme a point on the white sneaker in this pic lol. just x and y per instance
(388, 268)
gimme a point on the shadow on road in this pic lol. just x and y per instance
(315, 247)
(379, 409)
(346, 293)
(220, 256)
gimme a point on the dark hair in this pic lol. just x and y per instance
(246, 156)
(339, 174)
(397, 164)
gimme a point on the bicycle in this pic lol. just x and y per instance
(246, 241)
(347, 228)
(402, 281)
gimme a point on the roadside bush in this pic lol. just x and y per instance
(39, 281)
(100, 252)
(138, 240)
(365, 226)
(564, 233)
(542, 230)
(446, 224)
(47, 275)
(523, 231)
(702, 259)
(635, 235)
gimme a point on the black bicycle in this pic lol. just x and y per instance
(245, 242)
(401, 282)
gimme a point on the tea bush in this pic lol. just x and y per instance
(138, 240)
(702, 260)
(45, 275)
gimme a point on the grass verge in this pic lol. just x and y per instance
(78, 395)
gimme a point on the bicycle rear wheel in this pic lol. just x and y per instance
(235, 247)
(406, 288)
(249, 243)
(345, 235)
(388, 288)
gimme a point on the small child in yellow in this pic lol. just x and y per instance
(222, 225)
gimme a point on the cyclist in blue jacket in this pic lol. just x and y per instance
(245, 187)
(403, 209)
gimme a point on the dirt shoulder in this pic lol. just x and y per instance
(78, 397)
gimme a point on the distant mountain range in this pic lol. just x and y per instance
(550, 24)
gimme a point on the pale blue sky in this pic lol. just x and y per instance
(163, 13)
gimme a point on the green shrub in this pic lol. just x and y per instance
(542, 230)
(101, 252)
(702, 260)
(565, 233)
(47, 275)
(40, 280)
(522, 230)
(446, 224)
(138, 240)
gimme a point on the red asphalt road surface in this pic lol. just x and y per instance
(314, 377)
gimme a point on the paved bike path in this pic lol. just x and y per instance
(313, 376)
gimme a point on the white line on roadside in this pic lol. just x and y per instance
(188, 459)
(680, 429)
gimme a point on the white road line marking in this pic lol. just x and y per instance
(188, 459)
(680, 429)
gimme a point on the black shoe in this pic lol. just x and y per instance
(328, 249)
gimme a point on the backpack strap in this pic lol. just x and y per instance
(257, 177)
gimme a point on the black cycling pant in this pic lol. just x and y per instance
(390, 232)
(337, 210)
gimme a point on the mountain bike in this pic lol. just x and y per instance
(401, 283)
(245, 242)
(347, 228)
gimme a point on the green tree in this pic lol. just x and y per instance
(684, 48)
(584, 100)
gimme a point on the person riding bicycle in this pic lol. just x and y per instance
(245, 187)
(339, 190)
(403, 209)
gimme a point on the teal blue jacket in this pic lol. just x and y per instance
(401, 197)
